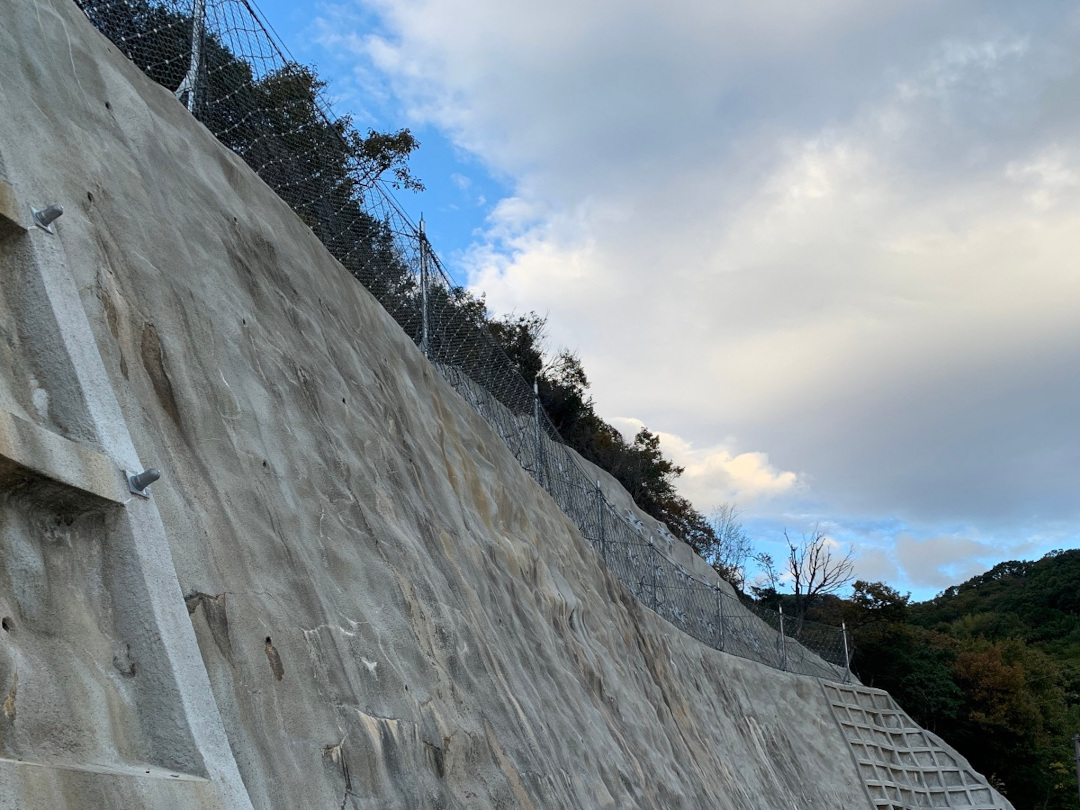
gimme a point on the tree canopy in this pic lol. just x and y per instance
(992, 665)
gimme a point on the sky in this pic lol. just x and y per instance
(828, 251)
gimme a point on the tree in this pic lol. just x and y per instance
(876, 603)
(992, 665)
(815, 570)
(1015, 636)
(913, 664)
(729, 548)
(648, 475)
(381, 153)
(1014, 719)
(522, 338)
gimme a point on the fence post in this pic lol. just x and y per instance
(720, 613)
(536, 423)
(847, 653)
(783, 646)
(425, 336)
(191, 80)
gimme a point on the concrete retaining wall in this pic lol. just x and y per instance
(343, 592)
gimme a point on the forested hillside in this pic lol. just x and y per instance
(992, 665)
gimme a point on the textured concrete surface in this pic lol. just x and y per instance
(12, 216)
(344, 592)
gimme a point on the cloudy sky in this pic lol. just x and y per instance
(828, 250)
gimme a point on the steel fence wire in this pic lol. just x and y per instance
(234, 75)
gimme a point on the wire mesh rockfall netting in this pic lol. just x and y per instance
(639, 557)
(223, 63)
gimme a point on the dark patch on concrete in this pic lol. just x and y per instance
(152, 352)
(395, 767)
(231, 172)
(309, 387)
(112, 317)
(256, 260)
(125, 664)
(245, 272)
(336, 753)
(34, 492)
(216, 616)
(436, 758)
(274, 659)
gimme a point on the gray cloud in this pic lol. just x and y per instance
(837, 234)
(941, 561)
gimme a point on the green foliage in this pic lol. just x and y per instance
(522, 338)
(992, 665)
(877, 603)
(387, 152)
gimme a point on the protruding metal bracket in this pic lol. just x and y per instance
(138, 482)
(45, 217)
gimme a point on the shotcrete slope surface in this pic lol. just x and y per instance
(390, 612)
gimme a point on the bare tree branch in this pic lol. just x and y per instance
(731, 549)
(815, 570)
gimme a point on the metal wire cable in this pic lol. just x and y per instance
(238, 79)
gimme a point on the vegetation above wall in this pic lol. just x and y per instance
(992, 666)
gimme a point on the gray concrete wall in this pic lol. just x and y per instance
(344, 592)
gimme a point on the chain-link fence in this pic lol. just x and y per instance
(708, 611)
(225, 65)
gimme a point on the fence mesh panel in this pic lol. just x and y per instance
(223, 63)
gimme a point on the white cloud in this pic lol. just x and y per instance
(1049, 179)
(717, 475)
(832, 238)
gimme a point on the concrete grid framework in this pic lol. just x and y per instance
(903, 765)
